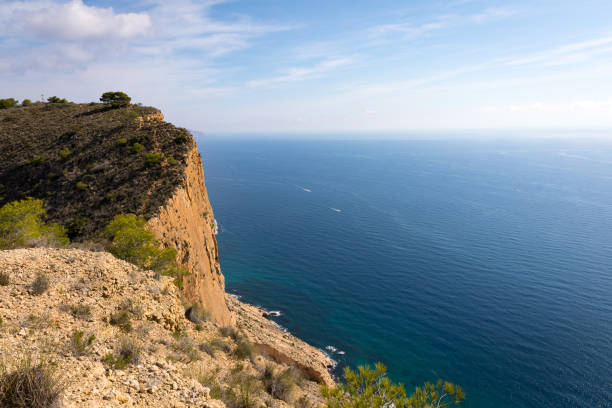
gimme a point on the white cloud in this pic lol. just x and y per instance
(72, 21)
(297, 74)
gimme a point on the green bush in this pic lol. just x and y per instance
(128, 353)
(133, 243)
(26, 102)
(115, 99)
(30, 386)
(122, 141)
(55, 99)
(81, 186)
(65, 153)
(36, 160)
(7, 103)
(4, 279)
(152, 159)
(22, 225)
(81, 343)
(137, 147)
(371, 388)
(172, 161)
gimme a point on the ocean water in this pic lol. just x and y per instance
(485, 263)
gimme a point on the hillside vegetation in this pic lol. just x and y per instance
(89, 162)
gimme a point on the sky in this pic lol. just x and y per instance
(321, 66)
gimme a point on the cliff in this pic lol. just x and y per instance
(88, 163)
(186, 222)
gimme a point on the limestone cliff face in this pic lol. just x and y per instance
(186, 222)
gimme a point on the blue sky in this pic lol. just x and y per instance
(319, 66)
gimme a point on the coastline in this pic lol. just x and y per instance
(280, 345)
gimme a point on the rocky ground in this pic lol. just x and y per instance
(177, 363)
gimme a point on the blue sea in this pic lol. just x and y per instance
(486, 263)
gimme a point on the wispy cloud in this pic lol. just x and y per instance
(567, 54)
(297, 74)
(410, 29)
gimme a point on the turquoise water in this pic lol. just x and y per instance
(484, 263)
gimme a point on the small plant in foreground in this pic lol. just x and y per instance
(4, 279)
(40, 284)
(371, 388)
(81, 342)
(30, 386)
(81, 186)
(122, 141)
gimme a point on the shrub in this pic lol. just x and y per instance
(81, 343)
(115, 99)
(229, 331)
(280, 385)
(181, 138)
(122, 141)
(242, 392)
(369, 387)
(186, 346)
(40, 285)
(128, 353)
(81, 186)
(65, 153)
(21, 225)
(133, 243)
(7, 103)
(4, 279)
(244, 349)
(36, 160)
(121, 319)
(26, 102)
(137, 147)
(172, 161)
(77, 226)
(152, 159)
(80, 311)
(30, 386)
(55, 99)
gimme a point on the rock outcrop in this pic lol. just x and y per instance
(187, 223)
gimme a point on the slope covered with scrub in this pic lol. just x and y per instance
(88, 163)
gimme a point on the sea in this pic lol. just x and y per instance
(487, 263)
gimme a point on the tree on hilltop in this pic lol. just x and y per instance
(115, 99)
